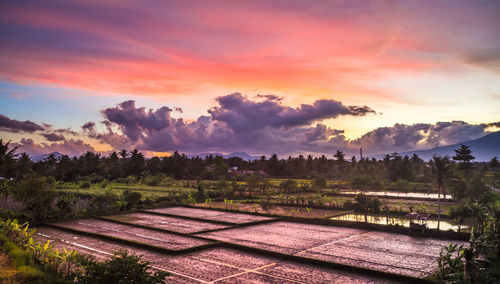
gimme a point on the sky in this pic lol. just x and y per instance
(262, 77)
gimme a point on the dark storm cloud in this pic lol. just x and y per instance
(53, 137)
(12, 125)
(242, 114)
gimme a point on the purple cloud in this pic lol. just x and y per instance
(15, 126)
(242, 114)
(67, 146)
(89, 126)
(53, 137)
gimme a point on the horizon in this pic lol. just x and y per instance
(258, 77)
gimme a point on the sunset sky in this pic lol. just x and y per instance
(260, 77)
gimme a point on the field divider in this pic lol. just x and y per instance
(138, 244)
(187, 235)
(241, 225)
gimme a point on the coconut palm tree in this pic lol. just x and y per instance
(440, 168)
(7, 158)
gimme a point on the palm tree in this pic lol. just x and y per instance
(7, 158)
(440, 168)
(123, 154)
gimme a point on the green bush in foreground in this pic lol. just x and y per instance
(122, 268)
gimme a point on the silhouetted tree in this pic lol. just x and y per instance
(464, 157)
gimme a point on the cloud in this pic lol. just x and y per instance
(494, 124)
(237, 123)
(403, 137)
(243, 115)
(69, 147)
(271, 97)
(89, 126)
(16, 126)
(53, 137)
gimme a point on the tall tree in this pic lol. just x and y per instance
(6, 159)
(440, 168)
(340, 156)
(464, 157)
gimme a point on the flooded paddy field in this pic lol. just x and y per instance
(166, 223)
(400, 254)
(213, 265)
(445, 224)
(151, 237)
(275, 251)
(211, 215)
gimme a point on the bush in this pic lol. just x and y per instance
(319, 183)
(289, 185)
(348, 205)
(364, 182)
(153, 180)
(85, 184)
(122, 268)
(132, 198)
(402, 185)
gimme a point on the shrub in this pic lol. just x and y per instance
(85, 184)
(122, 268)
(319, 183)
(364, 182)
(153, 180)
(132, 198)
(348, 205)
(289, 185)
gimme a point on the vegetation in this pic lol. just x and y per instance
(91, 184)
(63, 266)
(123, 268)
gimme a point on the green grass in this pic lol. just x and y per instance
(151, 192)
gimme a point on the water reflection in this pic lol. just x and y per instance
(399, 194)
(392, 220)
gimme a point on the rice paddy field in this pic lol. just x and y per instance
(200, 245)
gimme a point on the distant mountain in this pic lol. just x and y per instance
(242, 155)
(41, 157)
(483, 149)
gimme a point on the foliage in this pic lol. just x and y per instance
(35, 192)
(319, 182)
(132, 199)
(289, 185)
(364, 203)
(51, 259)
(480, 263)
(121, 268)
(366, 182)
(402, 185)
(85, 184)
(464, 157)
